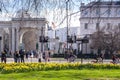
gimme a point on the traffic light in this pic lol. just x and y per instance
(74, 38)
(69, 39)
(0, 38)
(85, 40)
(44, 39)
(41, 39)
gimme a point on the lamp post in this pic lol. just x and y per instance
(0, 43)
(67, 21)
(81, 51)
(82, 41)
(41, 39)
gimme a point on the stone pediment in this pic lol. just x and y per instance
(28, 19)
(29, 22)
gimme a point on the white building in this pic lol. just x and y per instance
(95, 15)
(60, 33)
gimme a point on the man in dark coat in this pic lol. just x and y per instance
(3, 57)
(21, 52)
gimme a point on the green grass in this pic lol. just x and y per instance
(65, 75)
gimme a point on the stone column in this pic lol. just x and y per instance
(10, 39)
(13, 40)
(17, 39)
(39, 49)
(2, 45)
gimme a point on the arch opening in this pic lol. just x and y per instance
(29, 40)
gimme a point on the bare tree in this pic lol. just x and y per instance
(97, 40)
(106, 39)
(38, 8)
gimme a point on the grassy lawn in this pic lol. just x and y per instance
(64, 75)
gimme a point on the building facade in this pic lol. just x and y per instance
(97, 15)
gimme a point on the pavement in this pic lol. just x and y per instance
(59, 60)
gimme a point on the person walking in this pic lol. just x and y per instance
(113, 59)
(46, 56)
(16, 57)
(3, 57)
(21, 52)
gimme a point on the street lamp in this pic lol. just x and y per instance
(66, 51)
(84, 40)
(67, 21)
(41, 38)
(0, 42)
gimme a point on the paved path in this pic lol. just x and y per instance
(31, 60)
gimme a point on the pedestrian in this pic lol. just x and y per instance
(66, 55)
(43, 55)
(46, 56)
(49, 53)
(26, 54)
(10, 53)
(114, 59)
(72, 57)
(21, 52)
(3, 57)
(16, 57)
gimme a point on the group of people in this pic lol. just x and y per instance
(19, 56)
(69, 55)
(99, 58)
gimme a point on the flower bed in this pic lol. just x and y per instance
(26, 67)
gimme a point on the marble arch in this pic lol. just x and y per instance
(17, 27)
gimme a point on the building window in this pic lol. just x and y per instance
(86, 26)
(109, 11)
(97, 25)
(85, 13)
(108, 26)
(98, 12)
